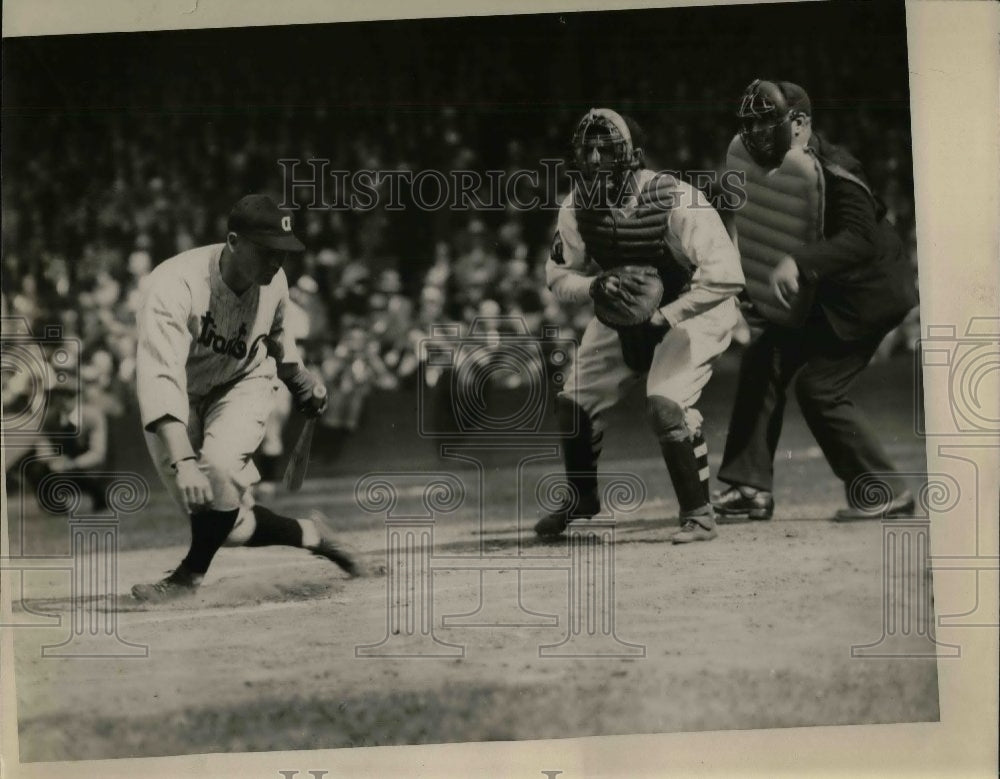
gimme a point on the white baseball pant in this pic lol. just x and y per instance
(225, 431)
(681, 367)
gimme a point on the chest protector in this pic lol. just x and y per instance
(637, 235)
(783, 211)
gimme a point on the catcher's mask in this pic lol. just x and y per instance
(614, 138)
(766, 113)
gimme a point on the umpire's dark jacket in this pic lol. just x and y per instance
(864, 280)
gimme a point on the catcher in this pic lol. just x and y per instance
(661, 269)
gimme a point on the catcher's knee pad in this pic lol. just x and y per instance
(668, 419)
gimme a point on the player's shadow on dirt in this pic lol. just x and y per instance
(510, 540)
(235, 591)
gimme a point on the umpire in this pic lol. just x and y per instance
(862, 288)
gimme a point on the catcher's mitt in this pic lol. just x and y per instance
(626, 296)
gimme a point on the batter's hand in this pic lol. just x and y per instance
(308, 390)
(317, 402)
(785, 281)
(194, 486)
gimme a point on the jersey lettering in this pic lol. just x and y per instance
(235, 347)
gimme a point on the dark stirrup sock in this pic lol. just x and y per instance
(274, 530)
(209, 530)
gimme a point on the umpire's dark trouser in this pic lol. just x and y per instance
(828, 368)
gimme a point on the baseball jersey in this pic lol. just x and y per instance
(197, 335)
(695, 235)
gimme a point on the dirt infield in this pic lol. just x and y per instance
(752, 630)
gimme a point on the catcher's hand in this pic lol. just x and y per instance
(627, 296)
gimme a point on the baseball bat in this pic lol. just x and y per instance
(295, 471)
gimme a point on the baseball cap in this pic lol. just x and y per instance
(258, 219)
(795, 97)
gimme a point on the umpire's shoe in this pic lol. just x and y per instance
(697, 525)
(179, 584)
(902, 505)
(742, 501)
(552, 525)
(333, 550)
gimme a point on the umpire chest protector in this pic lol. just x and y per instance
(636, 235)
(783, 211)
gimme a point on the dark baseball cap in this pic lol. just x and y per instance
(795, 97)
(258, 219)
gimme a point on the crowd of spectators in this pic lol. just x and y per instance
(93, 199)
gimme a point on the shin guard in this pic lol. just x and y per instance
(685, 454)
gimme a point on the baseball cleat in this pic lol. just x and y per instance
(902, 505)
(179, 584)
(333, 550)
(742, 501)
(554, 524)
(698, 525)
